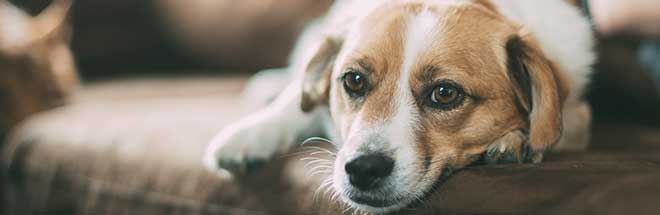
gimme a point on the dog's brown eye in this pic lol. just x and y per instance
(445, 96)
(355, 84)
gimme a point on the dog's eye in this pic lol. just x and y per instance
(445, 96)
(355, 83)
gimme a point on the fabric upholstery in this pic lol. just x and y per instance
(135, 146)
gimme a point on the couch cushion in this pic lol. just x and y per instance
(135, 146)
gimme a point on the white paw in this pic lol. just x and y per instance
(240, 148)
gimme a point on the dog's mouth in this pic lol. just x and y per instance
(373, 201)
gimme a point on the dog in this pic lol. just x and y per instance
(411, 90)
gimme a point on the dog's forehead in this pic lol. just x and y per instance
(464, 40)
(447, 32)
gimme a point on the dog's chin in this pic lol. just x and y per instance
(389, 198)
(373, 201)
(378, 202)
(376, 205)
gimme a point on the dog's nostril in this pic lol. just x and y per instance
(365, 171)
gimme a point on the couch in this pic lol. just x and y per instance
(134, 146)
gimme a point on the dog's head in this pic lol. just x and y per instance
(416, 89)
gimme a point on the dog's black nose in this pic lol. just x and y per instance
(366, 172)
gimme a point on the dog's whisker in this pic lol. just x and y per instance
(324, 186)
(318, 140)
(305, 150)
(329, 188)
(313, 159)
(308, 159)
(337, 196)
(316, 192)
(311, 150)
(321, 152)
(341, 204)
(321, 167)
(320, 149)
(325, 171)
(328, 191)
(315, 151)
(320, 172)
(326, 183)
(334, 195)
(358, 212)
(346, 209)
(318, 161)
(318, 164)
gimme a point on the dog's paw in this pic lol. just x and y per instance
(512, 148)
(239, 149)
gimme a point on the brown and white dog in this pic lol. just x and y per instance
(409, 90)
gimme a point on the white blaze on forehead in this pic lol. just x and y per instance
(420, 33)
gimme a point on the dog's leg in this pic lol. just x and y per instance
(257, 137)
(576, 128)
(264, 87)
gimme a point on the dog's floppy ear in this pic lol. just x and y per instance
(316, 83)
(540, 89)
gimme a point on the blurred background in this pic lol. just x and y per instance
(145, 83)
(126, 37)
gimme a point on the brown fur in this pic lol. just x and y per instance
(549, 91)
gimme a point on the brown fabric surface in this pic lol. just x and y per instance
(135, 147)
